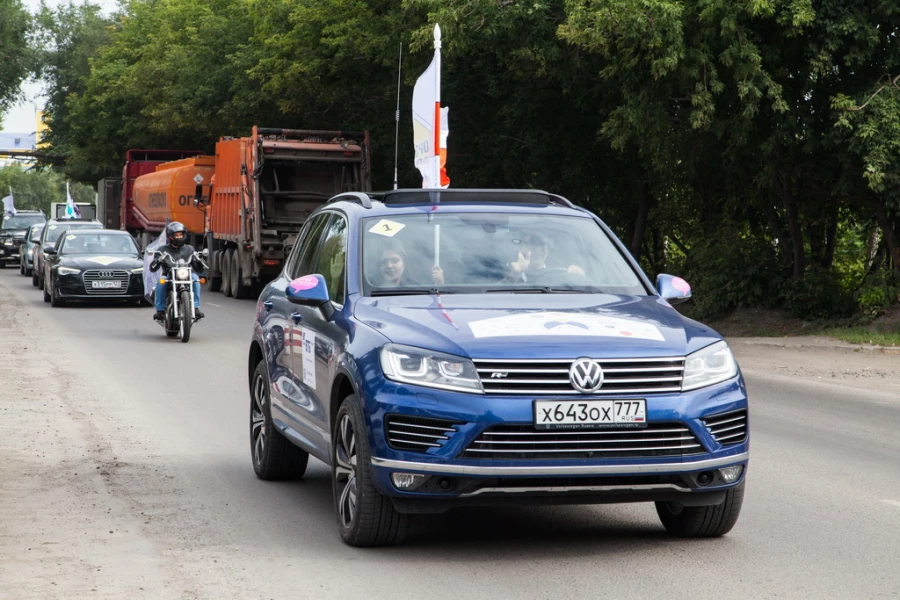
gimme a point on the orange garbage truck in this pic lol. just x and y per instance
(264, 189)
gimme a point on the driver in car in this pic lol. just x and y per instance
(177, 249)
(532, 259)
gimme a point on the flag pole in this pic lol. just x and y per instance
(397, 130)
(436, 161)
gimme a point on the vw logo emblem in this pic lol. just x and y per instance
(586, 375)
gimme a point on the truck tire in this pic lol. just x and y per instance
(238, 289)
(214, 278)
(227, 256)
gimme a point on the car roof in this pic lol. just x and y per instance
(461, 200)
(65, 221)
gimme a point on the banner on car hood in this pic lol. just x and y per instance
(151, 278)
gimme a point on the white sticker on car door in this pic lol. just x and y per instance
(308, 341)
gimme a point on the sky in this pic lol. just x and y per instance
(21, 118)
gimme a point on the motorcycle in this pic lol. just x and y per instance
(180, 315)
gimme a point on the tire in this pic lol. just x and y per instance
(227, 258)
(34, 278)
(41, 281)
(21, 268)
(184, 324)
(372, 519)
(55, 302)
(238, 289)
(214, 284)
(46, 292)
(274, 456)
(702, 521)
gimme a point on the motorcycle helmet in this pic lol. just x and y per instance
(176, 234)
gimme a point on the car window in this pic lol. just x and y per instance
(21, 221)
(98, 243)
(55, 230)
(332, 257)
(291, 264)
(308, 247)
(477, 252)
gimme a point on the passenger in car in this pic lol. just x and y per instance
(393, 267)
(532, 258)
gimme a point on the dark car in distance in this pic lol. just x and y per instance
(93, 264)
(12, 234)
(53, 230)
(26, 249)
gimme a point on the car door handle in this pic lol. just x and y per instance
(268, 304)
(297, 317)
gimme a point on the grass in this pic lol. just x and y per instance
(861, 335)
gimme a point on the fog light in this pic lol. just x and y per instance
(407, 481)
(731, 474)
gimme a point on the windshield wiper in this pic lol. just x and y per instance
(405, 292)
(533, 290)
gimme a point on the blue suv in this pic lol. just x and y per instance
(440, 348)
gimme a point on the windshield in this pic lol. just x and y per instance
(477, 253)
(57, 229)
(98, 243)
(21, 221)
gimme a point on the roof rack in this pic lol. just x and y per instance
(358, 197)
(431, 196)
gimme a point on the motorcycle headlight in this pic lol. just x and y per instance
(713, 364)
(430, 369)
(68, 271)
(182, 274)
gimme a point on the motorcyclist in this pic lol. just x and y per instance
(177, 249)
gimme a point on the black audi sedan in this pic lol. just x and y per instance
(94, 264)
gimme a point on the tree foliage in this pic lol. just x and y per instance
(769, 127)
(15, 53)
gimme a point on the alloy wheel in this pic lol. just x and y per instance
(258, 420)
(345, 472)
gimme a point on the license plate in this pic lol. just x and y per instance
(584, 414)
(106, 285)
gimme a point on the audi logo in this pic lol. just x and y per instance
(106, 274)
(586, 375)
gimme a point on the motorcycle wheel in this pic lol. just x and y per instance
(184, 324)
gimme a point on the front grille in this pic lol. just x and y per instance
(551, 377)
(416, 434)
(524, 442)
(106, 275)
(728, 428)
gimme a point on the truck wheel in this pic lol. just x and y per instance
(214, 282)
(226, 272)
(702, 521)
(238, 290)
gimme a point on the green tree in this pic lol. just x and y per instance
(15, 53)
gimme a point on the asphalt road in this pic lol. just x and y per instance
(125, 472)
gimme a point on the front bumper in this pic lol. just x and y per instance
(9, 253)
(450, 480)
(72, 287)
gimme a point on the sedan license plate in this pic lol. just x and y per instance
(106, 285)
(585, 414)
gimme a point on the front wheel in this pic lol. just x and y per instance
(366, 517)
(184, 324)
(702, 521)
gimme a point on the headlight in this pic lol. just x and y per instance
(182, 274)
(430, 369)
(713, 364)
(138, 270)
(68, 271)
(30, 252)
(7, 242)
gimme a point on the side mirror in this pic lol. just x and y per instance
(310, 290)
(673, 289)
(199, 199)
(205, 253)
(50, 251)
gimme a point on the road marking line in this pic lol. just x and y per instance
(214, 304)
(892, 502)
